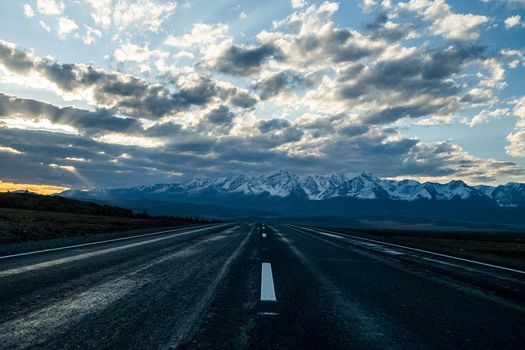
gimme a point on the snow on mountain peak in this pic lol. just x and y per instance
(284, 184)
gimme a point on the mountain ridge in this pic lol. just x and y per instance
(286, 185)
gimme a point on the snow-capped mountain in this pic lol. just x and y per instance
(509, 195)
(284, 184)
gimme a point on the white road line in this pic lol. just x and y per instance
(444, 263)
(393, 252)
(264, 235)
(267, 289)
(95, 243)
(414, 249)
(55, 262)
(266, 313)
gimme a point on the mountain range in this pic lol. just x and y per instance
(282, 194)
(283, 184)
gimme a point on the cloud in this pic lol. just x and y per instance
(296, 4)
(45, 26)
(354, 130)
(447, 159)
(266, 126)
(279, 143)
(367, 5)
(91, 35)
(309, 39)
(516, 146)
(28, 11)
(15, 60)
(220, 116)
(307, 94)
(132, 52)
(384, 29)
(65, 26)
(87, 122)
(124, 139)
(242, 99)
(516, 4)
(477, 96)
(512, 21)
(451, 25)
(284, 81)
(412, 86)
(147, 15)
(102, 10)
(125, 94)
(50, 7)
(201, 34)
(10, 150)
(519, 111)
(487, 115)
(218, 120)
(241, 60)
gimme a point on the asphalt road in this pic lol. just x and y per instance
(254, 286)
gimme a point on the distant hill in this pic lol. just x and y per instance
(33, 201)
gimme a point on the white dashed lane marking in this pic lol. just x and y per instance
(267, 288)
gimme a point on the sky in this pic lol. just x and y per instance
(119, 93)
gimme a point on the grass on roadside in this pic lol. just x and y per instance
(19, 225)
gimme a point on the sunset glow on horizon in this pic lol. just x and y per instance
(35, 188)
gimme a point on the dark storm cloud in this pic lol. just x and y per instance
(391, 34)
(353, 130)
(164, 130)
(218, 120)
(104, 166)
(129, 95)
(242, 61)
(419, 84)
(251, 152)
(220, 115)
(191, 154)
(411, 77)
(445, 62)
(272, 125)
(64, 75)
(335, 44)
(88, 122)
(350, 72)
(276, 132)
(391, 114)
(473, 99)
(42, 148)
(322, 126)
(371, 145)
(243, 99)
(280, 82)
(15, 60)
(137, 98)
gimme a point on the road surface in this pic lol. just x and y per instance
(256, 286)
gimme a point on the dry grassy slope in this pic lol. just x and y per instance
(30, 217)
(506, 248)
(18, 225)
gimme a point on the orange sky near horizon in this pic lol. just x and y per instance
(40, 189)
